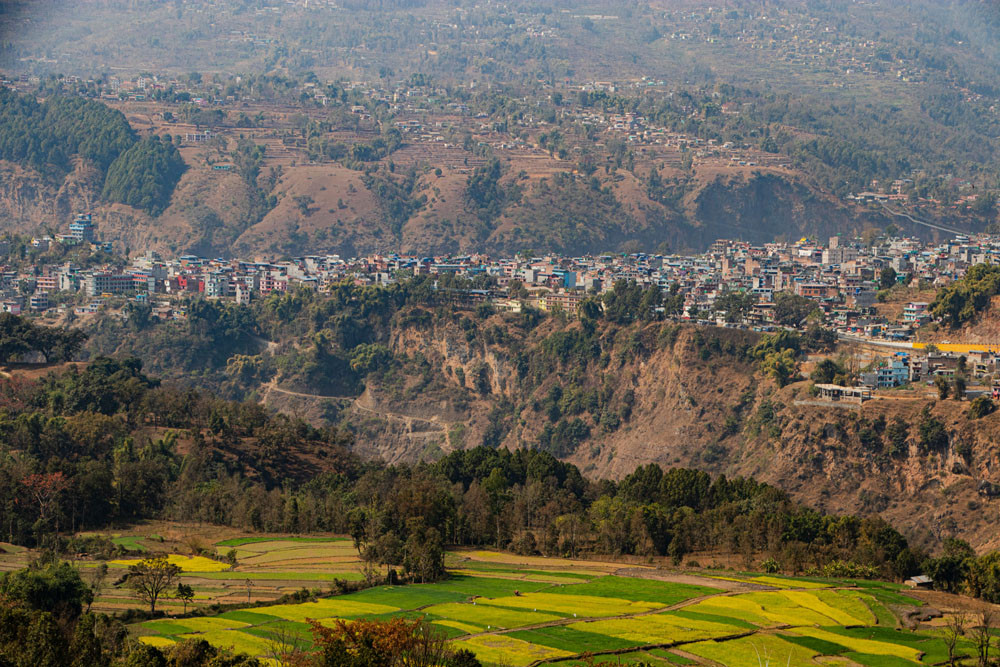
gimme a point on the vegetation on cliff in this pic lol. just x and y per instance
(967, 298)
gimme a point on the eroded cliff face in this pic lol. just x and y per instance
(34, 202)
(761, 207)
(685, 397)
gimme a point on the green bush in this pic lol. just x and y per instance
(981, 407)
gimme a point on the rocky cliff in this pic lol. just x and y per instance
(682, 396)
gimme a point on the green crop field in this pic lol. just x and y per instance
(754, 651)
(515, 611)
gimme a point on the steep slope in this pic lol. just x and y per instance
(31, 201)
(329, 208)
(414, 381)
(685, 397)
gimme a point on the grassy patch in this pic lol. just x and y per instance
(409, 597)
(487, 588)
(883, 616)
(571, 639)
(130, 542)
(251, 617)
(637, 590)
(299, 633)
(672, 658)
(714, 618)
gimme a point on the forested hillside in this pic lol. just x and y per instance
(48, 135)
(104, 445)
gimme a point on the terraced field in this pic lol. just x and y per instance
(517, 612)
(523, 611)
(273, 566)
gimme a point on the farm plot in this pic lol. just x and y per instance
(573, 605)
(774, 609)
(186, 563)
(537, 562)
(858, 645)
(517, 611)
(666, 628)
(491, 617)
(754, 651)
(294, 554)
(505, 650)
(639, 590)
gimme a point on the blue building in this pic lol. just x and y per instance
(894, 373)
(81, 229)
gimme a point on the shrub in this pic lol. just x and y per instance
(933, 436)
(981, 407)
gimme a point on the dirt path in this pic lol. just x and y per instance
(273, 386)
(435, 428)
(692, 579)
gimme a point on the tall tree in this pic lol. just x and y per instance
(151, 578)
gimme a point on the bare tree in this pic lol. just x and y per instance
(97, 580)
(953, 631)
(430, 646)
(285, 645)
(982, 635)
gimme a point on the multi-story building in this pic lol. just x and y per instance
(39, 302)
(916, 312)
(894, 373)
(81, 230)
(109, 283)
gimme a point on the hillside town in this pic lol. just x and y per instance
(840, 279)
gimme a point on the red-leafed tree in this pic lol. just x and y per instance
(44, 489)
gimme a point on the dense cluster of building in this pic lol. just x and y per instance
(842, 277)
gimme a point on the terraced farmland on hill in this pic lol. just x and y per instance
(521, 611)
